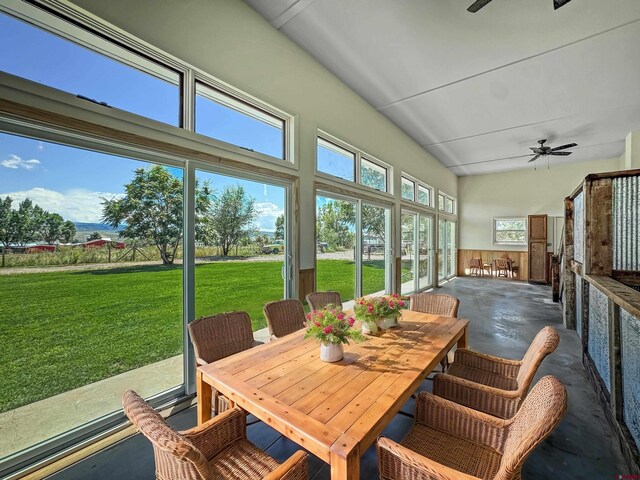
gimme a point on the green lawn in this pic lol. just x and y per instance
(62, 330)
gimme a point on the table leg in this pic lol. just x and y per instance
(463, 341)
(345, 459)
(203, 390)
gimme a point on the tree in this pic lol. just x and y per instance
(94, 236)
(7, 224)
(279, 234)
(151, 209)
(336, 224)
(51, 228)
(67, 231)
(28, 221)
(231, 216)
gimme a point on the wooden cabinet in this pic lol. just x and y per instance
(537, 233)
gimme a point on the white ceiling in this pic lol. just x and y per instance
(476, 90)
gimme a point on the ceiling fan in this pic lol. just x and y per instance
(478, 4)
(543, 151)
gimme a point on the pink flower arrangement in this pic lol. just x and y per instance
(368, 310)
(332, 325)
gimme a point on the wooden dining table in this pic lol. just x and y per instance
(334, 410)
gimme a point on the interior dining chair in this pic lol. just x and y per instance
(502, 267)
(475, 266)
(494, 385)
(319, 300)
(217, 449)
(452, 442)
(219, 336)
(284, 317)
(436, 304)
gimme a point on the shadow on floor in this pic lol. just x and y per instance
(503, 321)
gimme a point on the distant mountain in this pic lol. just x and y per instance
(94, 227)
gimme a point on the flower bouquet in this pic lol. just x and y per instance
(333, 328)
(378, 312)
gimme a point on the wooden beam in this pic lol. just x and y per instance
(569, 279)
(598, 258)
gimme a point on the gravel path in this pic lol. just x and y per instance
(348, 255)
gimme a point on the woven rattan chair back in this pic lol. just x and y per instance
(176, 457)
(545, 342)
(284, 317)
(502, 266)
(221, 335)
(436, 304)
(475, 266)
(319, 300)
(540, 413)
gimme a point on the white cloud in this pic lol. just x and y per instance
(15, 161)
(77, 205)
(267, 214)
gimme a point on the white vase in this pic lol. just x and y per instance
(370, 328)
(388, 322)
(331, 352)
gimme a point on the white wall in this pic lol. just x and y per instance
(517, 193)
(231, 41)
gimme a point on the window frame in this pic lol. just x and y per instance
(524, 221)
(359, 156)
(243, 107)
(72, 23)
(418, 184)
(446, 197)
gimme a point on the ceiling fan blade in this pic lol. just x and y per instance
(562, 147)
(559, 3)
(533, 159)
(477, 5)
(564, 154)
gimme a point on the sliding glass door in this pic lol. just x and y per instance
(446, 249)
(242, 249)
(349, 263)
(417, 251)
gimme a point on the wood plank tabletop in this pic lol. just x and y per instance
(335, 410)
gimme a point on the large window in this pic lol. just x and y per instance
(408, 189)
(351, 264)
(417, 251)
(447, 249)
(225, 118)
(510, 231)
(336, 246)
(245, 223)
(115, 77)
(424, 195)
(375, 249)
(373, 175)
(339, 159)
(92, 255)
(335, 160)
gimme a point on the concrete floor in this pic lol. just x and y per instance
(505, 316)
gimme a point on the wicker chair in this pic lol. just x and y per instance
(284, 317)
(475, 266)
(433, 303)
(436, 304)
(217, 449)
(220, 336)
(319, 300)
(452, 442)
(502, 267)
(494, 385)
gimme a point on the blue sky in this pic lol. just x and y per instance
(71, 181)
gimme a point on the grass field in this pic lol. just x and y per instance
(62, 330)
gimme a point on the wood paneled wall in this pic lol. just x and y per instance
(306, 282)
(519, 257)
